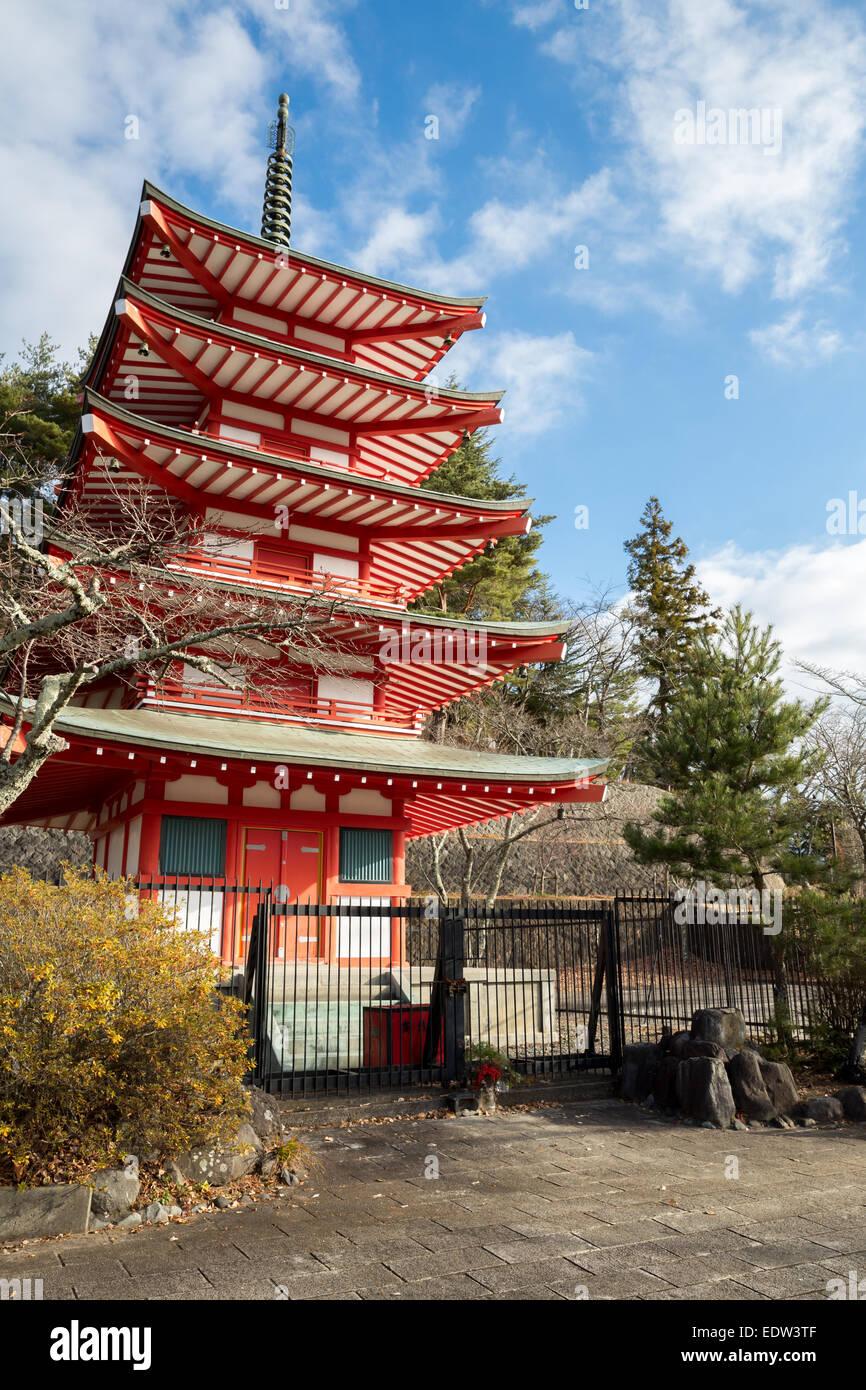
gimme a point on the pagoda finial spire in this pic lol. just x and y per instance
(277, 210)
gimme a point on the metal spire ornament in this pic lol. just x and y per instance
(277, 210)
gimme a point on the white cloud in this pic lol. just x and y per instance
(534, 14)
(808, 592)
(729, 211)
(792, 343)
(397, 237)
(451, 103)
(543, 376)
(199, 80)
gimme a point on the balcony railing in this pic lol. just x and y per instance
(278, 577)
(285, 707)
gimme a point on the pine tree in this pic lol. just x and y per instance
(40, 407)
(668, 604)
(730, 745)
(501, 581)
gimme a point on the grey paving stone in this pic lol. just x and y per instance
(551, 1272)
(787, 1280)
(692, 1270)
(458, 1260)
(458, 1287)
(536, 1247)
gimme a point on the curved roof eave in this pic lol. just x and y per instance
(150, 190)
(207, 327)
(519, 505)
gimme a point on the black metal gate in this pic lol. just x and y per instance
(364, 996)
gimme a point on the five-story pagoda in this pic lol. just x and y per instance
(281, 401)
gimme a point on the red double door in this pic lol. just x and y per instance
(291, 862)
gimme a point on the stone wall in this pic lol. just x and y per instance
(42, 851)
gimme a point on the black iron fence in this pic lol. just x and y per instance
(369, 993)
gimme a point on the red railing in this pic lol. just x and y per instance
(279, 705)
(258, 571)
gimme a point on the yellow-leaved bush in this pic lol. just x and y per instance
(112, 1034)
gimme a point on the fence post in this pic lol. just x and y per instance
(261, 937)
(614, 1004)
(454, 945)
(447, 1020)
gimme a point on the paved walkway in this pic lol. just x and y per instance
(593, 1201)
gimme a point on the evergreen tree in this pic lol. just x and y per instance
(668, 604)
(40, 408)
(731, 747)
(501, 581)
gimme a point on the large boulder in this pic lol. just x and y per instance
(751, 1096)
(219, 1164)
(665, 1092)
(724, 1026)
(780, 1085)
(853, 1101)
(264, 1117)
(823, 1109)
(115, 1190)
(704, 1049)
(704, 1091)
(59, 1209)
(673, 1043)
(640, 1062)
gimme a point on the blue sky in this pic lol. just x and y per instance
(556, 129)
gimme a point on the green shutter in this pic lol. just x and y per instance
(194, 847)
(366, 856)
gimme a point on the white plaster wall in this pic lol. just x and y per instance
(189, 788)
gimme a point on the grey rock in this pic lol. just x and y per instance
(724, 1026)
(128, 1222)
(707, 1124)
(752, 1046)
(780, 1085)
(640, 1063)
(853, 1102)
(665, 1092)
(219, 1165)
(264, 1117)
(223, 1202)
(99, 1225)
(704, 1091)
(56, 1210)
(738, 1124)
(677, 1042)
(173, 1172)
(751, 1096)
(823, 1109)
(175, 1211)
(156, 1212)
(289, 1178)
(807, 1122)
(704, 1049)
(115, 1190)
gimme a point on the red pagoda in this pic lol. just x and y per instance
(246, 380)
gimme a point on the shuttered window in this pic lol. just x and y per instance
(192, 846)
(366, 856)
